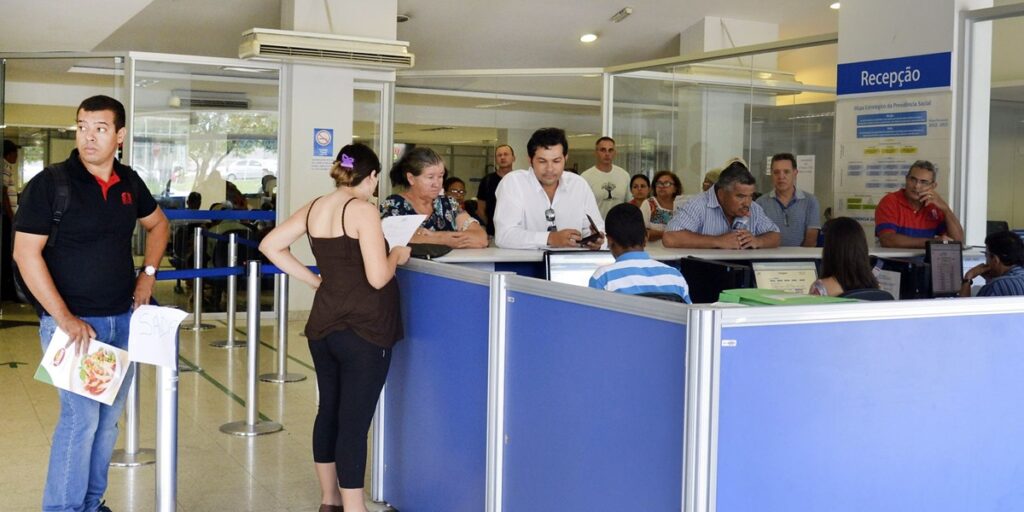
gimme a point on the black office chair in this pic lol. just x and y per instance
(671, 297)
(871, 294)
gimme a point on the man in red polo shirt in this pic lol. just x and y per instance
(909, 217)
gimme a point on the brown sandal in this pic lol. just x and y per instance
(331, 508)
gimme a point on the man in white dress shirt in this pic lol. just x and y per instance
(609, 182)
(543, 206)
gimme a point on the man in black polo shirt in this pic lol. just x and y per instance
(84, 283)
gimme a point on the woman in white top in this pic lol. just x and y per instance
(658, 208)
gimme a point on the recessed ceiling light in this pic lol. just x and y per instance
(402, 18)
(835, 5)
(588, 38)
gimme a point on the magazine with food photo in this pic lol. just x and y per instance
(98, 374)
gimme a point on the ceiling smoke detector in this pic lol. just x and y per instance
(622, 14)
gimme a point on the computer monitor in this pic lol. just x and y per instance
(707, 278)
(574, 267)
(946, 261)
(913, 277)
(785, 276)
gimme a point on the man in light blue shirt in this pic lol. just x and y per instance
(794, 211)
(634, 272)
(723, 217)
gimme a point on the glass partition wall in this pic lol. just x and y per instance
(690, 118)
(1004, 83)
(195, 125)
(464, 116)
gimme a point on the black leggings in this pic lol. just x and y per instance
(350, 373)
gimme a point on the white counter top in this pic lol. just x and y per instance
(658, 252)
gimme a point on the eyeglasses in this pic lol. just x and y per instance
(664, 184)
(549, 215)
(457, 192)
(914, 182)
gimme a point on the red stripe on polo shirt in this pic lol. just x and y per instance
(105, 185)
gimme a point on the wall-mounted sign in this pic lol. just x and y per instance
(895, 75)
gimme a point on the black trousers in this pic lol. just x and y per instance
(350, 373)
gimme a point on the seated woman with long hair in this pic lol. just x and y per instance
(421, 172)
(845, 263)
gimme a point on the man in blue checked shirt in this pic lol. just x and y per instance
(723, 217)
(634, 271)
(1003, 268)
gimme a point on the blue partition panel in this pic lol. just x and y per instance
(915, 414)
(436, 397)
(594, 405)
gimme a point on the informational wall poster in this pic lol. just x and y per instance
(878, 138)
(323, 149)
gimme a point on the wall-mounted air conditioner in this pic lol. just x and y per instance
(261, 43)
(188, 98)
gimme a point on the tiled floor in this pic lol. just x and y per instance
(216, 471)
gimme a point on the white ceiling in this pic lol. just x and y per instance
(444, 34)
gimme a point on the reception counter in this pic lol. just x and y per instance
(521, 394)
(661, 253)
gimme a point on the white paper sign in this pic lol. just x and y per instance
(889, 281)
(97, 375)
(153, 335)
(399, 229)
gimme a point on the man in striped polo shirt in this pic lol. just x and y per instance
(1004, 255)
(909, 217)
(723, 217)
(634, 271)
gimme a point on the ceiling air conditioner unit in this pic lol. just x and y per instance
(262, 43)
(187, 98)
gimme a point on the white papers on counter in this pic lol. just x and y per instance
(399, 229)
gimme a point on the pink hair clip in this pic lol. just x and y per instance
(347, 161)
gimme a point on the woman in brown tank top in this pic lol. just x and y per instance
(355, 319)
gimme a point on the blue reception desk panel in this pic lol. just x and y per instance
(593, 408)
(436, 397)
(916, 414)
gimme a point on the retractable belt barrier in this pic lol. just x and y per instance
(252, 425)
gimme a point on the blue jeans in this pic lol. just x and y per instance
(86, 429)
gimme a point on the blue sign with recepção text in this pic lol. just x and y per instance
(894, 75)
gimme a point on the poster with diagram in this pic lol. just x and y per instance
(877, 139)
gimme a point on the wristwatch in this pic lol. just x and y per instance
(149, 270)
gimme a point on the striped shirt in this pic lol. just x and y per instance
(635, 273)
(1010, 283)
(704, 216)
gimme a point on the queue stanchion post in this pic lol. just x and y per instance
(197, 284)
(167, 438)
(131, 455)
(232, 308)
(282, 376)
(252, 425)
